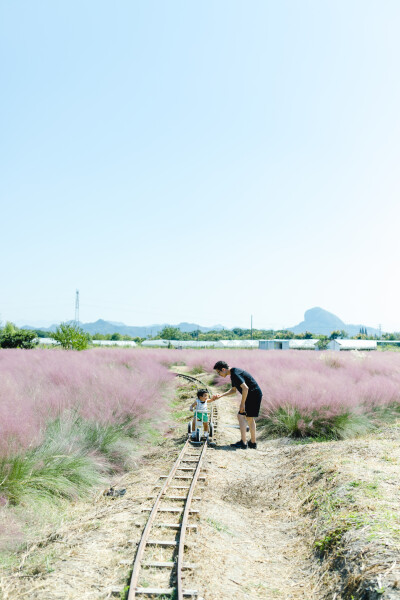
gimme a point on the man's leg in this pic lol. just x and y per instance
(252, 427)
(243, 426)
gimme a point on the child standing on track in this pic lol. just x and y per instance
(200, 409)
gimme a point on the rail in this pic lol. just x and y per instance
(192, 474)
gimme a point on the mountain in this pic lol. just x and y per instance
(105, 327)
(318, 320)
(33, 324)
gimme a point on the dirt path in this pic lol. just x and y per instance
(249, 541)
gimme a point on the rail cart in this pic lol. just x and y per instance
(198, 434)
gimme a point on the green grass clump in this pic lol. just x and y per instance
(43, 475)
(197, 369)
(289, 421)
(73, 457)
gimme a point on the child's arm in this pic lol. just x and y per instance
(192, 405)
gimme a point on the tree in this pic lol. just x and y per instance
(12, 337)
(323, 342)
(171, 333)
(359, 336)
(335, 334)
(284, 334)
(71, 337)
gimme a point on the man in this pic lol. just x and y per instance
(246, 385)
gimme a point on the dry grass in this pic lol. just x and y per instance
(349, 493)
(313, 521)
(81, 558)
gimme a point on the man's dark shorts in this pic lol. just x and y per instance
(253, 403)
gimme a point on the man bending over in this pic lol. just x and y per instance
(248, 387)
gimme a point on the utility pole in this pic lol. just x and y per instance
(251, 326)
(77, 307)
(380, 331)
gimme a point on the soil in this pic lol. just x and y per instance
(250, 539)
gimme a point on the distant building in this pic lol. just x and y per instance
(309, 344)
(273, 344)
(338, 345)
(201, 344)
(120, 343)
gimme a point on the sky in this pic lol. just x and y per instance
(200, 161)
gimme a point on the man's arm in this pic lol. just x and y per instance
(245, 391)
(230, 392)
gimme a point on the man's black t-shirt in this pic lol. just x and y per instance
(238, 376)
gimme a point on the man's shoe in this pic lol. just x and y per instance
(239, 445)
(253, 445)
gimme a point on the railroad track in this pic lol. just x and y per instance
(171, 512)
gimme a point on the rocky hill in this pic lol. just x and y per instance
(318, 320)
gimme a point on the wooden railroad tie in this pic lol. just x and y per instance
(164, 591)
(159, 565)
(177, 487)
(191, 468)
(161, 543)
(173, 510)
(169, 525)
(147, 591)
(174, 498)
(168, 565)
(202, 477)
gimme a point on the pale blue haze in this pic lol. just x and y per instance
(200, 161)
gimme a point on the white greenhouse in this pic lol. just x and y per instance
(202, 344)
(130, 343)
(273, 344)
(288, 344)
(339, 345)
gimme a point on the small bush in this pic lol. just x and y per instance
(73, 457)
(41, 475)
(197, 369)
(71, 337)
(290, 421)
(19, 338)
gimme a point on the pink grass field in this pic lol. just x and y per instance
(103, 385)
(107, 385)
(309, 380)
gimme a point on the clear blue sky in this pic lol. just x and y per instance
(200, 161)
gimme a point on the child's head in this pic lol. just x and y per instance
(202, 395)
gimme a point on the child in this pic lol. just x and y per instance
(201, 409)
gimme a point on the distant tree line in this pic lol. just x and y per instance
(174, 333)
(71, 336)
(41, 333)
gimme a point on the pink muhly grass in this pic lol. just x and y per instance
(312, 382)
(103, 385)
